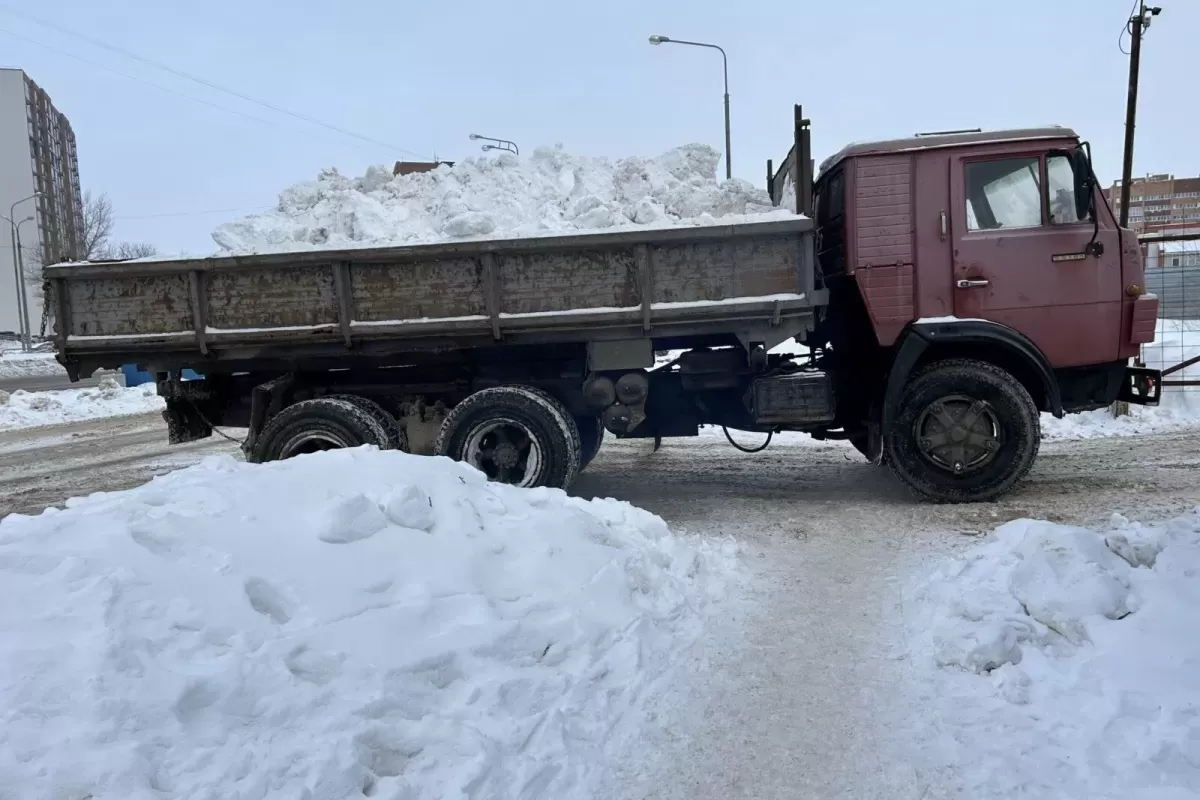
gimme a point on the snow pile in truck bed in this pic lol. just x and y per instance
(347, 624)
(21, 409)
(549, 192)
(1064, 662)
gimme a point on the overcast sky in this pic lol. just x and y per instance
(423, 76)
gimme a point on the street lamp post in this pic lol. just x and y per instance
(18, 271)
(657, 40)
(497, 144)
(24, 297)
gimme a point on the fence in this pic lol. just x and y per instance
(1173, 273)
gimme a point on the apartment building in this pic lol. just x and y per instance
(39, 191)
(1159, 203)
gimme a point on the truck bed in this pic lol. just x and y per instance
(751, 280)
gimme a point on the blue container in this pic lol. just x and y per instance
(136, 377)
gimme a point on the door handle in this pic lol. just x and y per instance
(966, 284)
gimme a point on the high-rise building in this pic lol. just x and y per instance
(39, 172)
(1159, 203)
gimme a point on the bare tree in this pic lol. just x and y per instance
(97, 225)
(130, 250)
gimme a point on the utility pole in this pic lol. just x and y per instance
(1137, 25)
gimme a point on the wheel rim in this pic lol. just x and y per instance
(310, 442)
(958, 434)
(506, 451)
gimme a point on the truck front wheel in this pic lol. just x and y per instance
(965, 431)
(513, 434)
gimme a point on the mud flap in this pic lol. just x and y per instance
(184, 423)
(1141, 386)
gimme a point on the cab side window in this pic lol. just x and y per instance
(1060, 179)
(1003, 193)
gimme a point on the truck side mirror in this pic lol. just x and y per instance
(1085, 182)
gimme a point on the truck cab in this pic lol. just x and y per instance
(990, 246)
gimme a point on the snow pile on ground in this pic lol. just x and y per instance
(548, 192)
(15, 364)
(347, 624)
(21, 409)
(1062, 662)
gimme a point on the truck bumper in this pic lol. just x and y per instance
(1141, 386)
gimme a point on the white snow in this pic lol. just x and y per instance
(1062, 662)
(549, 192)
(22, 409)
(346, 624)
(15, 364)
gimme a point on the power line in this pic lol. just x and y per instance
(204, 82)
(58, 51)
(160, 87)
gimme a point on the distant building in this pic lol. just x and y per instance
(409, 167)
(37, 155)
(1159, 203)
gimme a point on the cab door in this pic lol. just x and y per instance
(1020, 256)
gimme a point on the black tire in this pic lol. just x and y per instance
(591, 436)
(532, 422)
(990, 399)
(324, 423)
(397, 435)
(513, 422)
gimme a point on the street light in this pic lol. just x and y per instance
(18, 271)
(657, 40)
(497, 144)
(24, 291)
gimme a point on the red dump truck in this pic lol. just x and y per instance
(947, 289)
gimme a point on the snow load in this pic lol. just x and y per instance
(550, 192)
(347, 624)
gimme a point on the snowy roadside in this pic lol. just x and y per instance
(15, 364)
(1056, 661)
(350, 623)
(22, 409)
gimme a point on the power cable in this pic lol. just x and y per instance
(160, 87)
(204, 82)
(1125, 28)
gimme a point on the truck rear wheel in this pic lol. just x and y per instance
(513, 434)
(397, 436)
(591, 436)
(311, 426)
(966, 431)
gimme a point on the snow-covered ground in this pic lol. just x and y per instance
(548, 192)
(21, 409)
(354, 623)
(1062, 662)
(15, 364)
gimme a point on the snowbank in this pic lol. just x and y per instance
(15, 364)
(1062, 662)
(548, 192)
(22, 409)
(353, 623)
